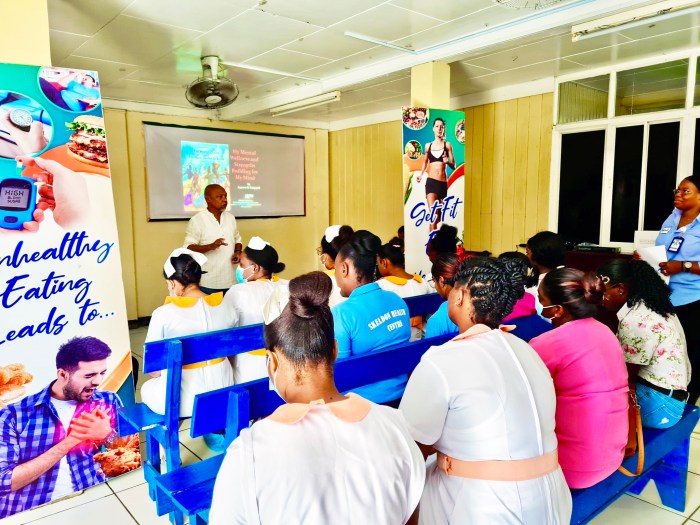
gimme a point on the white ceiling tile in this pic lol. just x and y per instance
(353, 62)
(517, 76)
(134, 41)
(83, 17)
(253, 33)
(62, 44)
(289, 61)
(201, 16)
(108, 72)
(143, 92)
(446, 10)
(464, 70)
(318, 12)
(388, 22)
(329, 43)
(181, 66)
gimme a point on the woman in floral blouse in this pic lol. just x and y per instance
(651, 337)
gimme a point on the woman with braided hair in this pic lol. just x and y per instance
(586, 363)
(652, 339)
(323, 457)
(485, 402)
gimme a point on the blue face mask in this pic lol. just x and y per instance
(239, 273)
(540, 309)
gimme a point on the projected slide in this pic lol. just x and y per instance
(202, 164)
(262, 173)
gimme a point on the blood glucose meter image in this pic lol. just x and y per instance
(17, 200)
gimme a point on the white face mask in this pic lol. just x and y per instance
(171, 289)
(273, 380)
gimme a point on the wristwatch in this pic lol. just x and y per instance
(687, 266)
(21, 119)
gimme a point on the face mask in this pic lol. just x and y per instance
(541, 309)
(239, 274)
(171, 290)
(273, 380)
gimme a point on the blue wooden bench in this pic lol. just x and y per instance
(171, 355)
(189, 490)
(666, 462)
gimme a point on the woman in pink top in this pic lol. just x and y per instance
(590, 377)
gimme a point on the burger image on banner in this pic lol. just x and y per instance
(87, 143)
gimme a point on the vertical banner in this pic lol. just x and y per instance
(65, 360)
(433, 175)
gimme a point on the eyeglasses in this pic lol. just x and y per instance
(431, 283)
(319, 251)
(682, 192)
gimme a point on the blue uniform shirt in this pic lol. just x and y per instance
(372, 319)
(440, 323)
(685, 287)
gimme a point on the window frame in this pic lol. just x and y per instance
(687, 117)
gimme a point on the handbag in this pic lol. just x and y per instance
(635, 437)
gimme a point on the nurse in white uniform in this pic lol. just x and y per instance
(323, 457)
(394, 278)
(332, 241)
(485, 402)
(256, 283)
(188, 311)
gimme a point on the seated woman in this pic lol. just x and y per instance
(546, 251)
(395, 278)
(371, 318)
(332, 241)
(485, 403)
(586, 363)
(524, 317)
(651, 337)
(443, 271)
(188, 311)
(256, 283)
(293, 467)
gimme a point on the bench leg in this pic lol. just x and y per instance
(671, 474)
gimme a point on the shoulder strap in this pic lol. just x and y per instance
(636, 414)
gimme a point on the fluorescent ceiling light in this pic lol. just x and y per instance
(268, 70)
(634, 18)
(306, 103)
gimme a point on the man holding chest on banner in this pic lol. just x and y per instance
(214, 232)
(48, 440)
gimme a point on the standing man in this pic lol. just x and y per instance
(48, 440)
(213, 231)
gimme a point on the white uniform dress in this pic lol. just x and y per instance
(335, 297)
(408, 288)
(248, 300)
(486, 395)
(187, 316)
(348, 462)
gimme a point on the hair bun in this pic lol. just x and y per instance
(309, 293)
(593, 288)
(366, 242)
(344, 234)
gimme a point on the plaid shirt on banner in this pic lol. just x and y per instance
(31, 427)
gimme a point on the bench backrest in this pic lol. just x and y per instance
(231, 341)
(232, 408)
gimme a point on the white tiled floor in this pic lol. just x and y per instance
(125, 501)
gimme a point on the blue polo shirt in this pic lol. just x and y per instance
(685, 286)
(372, 319)
(440, 323)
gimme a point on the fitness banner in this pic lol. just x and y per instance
(65, 361)
(433, 175)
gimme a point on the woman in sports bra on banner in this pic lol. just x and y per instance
(438, 155)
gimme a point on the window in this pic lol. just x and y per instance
(652, 88)
(627, 183)
(662, 167)
(585, 99)
(581, 185)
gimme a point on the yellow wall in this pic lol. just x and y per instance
(145, 245)
(508, 147)
(24, 33)
(366, 178)
(507, 174)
